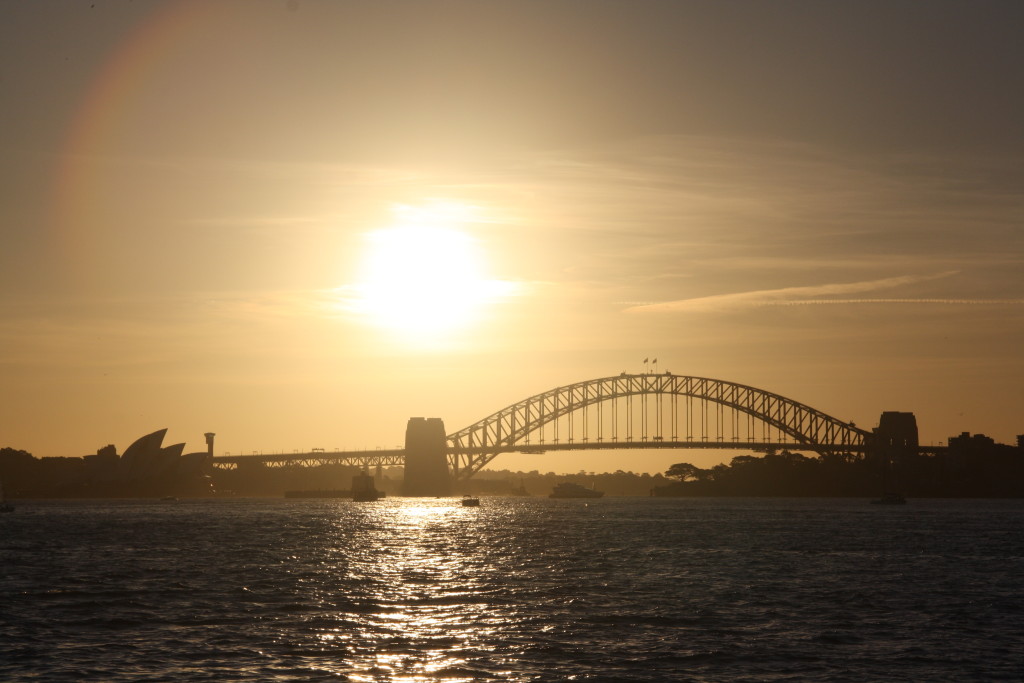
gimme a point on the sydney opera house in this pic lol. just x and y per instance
(146, 468)
(149, 467)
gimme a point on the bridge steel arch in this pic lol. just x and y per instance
(510, 429)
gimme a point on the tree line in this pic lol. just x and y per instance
(972, 467)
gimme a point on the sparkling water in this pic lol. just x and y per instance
(518, 589)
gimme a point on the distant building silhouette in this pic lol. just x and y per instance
(968, 441)
(147, 468)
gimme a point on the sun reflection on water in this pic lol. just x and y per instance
(422, 614)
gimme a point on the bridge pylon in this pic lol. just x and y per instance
(893, 441)
(426, 458)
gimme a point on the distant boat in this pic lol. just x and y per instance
(890, 499)
(470, 501)
(570, 490)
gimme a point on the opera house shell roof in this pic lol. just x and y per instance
(148, 462)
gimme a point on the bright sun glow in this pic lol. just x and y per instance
(424, 277)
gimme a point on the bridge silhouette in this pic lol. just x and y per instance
(626, 411)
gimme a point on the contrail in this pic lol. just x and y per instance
(785, 295)
(804, 302)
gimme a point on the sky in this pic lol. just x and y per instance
(297, 224)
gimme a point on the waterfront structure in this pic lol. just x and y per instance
(363, 488)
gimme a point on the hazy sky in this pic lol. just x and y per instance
(216, 215)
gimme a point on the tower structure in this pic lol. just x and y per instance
(426, 459)
(896, 429)
(893, 441)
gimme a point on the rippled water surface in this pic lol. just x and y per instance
(519, 589)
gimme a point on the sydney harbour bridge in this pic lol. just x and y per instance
(626, 411)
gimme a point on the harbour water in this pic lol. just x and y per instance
(518, 589)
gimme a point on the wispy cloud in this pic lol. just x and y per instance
(804, 302)
(790, 295)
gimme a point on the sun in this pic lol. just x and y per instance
(423, 279)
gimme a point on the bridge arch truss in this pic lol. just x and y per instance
(651, 410)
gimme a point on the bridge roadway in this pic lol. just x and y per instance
(396, 456)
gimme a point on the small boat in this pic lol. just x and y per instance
(470, 502)
(890, 499)
(570, 490)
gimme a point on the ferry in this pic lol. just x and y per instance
(470, 502)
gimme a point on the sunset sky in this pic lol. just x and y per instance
(299, 223)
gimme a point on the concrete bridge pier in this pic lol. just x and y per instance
(893, 441)
(426, 460)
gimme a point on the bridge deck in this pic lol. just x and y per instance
(395, 456)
